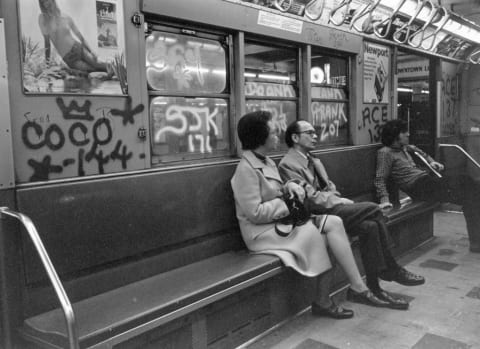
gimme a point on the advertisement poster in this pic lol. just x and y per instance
(358, 14)
(107, 24)
(73, 46)
(306, 9)
(376, 63)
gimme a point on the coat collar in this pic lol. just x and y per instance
(399, 148)
(269, 168)
(301, 159)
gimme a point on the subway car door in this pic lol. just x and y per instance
(416, 98)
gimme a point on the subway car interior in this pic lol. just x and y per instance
(126, 220)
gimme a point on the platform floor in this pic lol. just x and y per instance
(444, 312)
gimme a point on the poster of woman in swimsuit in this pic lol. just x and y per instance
(106, 24)
(71, 46)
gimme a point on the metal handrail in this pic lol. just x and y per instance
(367, 10)
(408, 24)
(52, 274)
(444, 19)
(474, 57)
(427, 164)
(463, 151)
(333, 11)
(387, 21)
(421, 32)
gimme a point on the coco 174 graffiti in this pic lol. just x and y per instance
(83, 136)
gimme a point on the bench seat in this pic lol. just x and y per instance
(218, 300)
(404, 209)
(130, 310)
(409, 210)
(135, 308)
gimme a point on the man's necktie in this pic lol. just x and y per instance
(321, 182)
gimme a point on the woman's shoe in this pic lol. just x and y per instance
(365, 297)
(334, 311)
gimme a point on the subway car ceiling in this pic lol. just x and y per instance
(429, 26)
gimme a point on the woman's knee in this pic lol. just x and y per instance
(334, 220)
(333, 223)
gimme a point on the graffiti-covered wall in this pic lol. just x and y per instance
(471, 120)
(58, 137)
(450, 100)
(369, 123)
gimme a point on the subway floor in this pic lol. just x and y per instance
(444, 313)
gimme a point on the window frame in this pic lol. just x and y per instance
(297, 85)
(184, 158)
(346, 88)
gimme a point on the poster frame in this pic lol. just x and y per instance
(381, 78)
(115, 74)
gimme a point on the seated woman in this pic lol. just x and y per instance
(258, 191)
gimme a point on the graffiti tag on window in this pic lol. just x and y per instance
(182, 125)
(180, 63)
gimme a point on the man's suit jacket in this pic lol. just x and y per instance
(354, 216)
(295, 166)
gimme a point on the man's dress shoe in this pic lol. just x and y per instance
(393, 301)
(403, 277)
(366, 297)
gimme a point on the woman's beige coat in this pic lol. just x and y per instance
(257, 188)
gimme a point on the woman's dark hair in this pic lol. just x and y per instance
(253, 129)
(291, 129)
(391, 130)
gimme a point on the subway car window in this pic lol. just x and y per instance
(187, 78)
(185, 64)
(329, 105)
(271, 83)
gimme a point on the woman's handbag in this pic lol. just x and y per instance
(299, 215)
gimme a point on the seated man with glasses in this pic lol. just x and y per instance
(362, 219)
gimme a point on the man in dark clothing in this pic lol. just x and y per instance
(395, 163)
(364, 219)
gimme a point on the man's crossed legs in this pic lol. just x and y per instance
(365, 220)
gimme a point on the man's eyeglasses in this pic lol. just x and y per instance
(309, 132)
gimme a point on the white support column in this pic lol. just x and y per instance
(7, 179)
